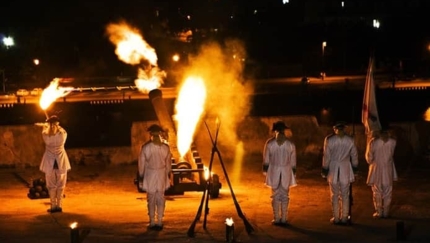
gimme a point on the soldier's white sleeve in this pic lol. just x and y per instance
(293, 156)
(354, 156)
(141, 162)
(326, 154)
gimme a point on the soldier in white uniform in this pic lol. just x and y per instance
(55, 162)
(279, 165)
(382, 172)
(155, 161)
(340, 162)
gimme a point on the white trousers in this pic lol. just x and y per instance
(156, 203)
(382, 195)
(339, 194)
(56, 183)
(280, 201)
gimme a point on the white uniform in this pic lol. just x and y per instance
(340, 156)
(55, 155)
(155, 163)
(280, 159)
(382, 173)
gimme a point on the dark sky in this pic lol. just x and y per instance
(71, 35)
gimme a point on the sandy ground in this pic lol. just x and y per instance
(108, 208)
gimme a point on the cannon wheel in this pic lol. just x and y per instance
(214, 187)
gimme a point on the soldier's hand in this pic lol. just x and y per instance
(324, 172)
(355, 170)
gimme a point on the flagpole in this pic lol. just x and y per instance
(369, 115)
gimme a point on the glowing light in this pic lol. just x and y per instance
(36, 61)
(285, 1)
(175, 57)
(53, 92)
(206, 173)
(189, 108)
(8, 41)
(74, 225)
(427, 115)
(376, 24)
(229, 221)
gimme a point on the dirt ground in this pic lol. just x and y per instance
(108, 208)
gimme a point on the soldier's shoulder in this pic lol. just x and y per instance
(146, 143)
(331, 135)
(269, 140)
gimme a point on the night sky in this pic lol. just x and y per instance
(69, 37)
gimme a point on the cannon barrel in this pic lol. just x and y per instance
(165, 120)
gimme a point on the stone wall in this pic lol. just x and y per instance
(22, 145)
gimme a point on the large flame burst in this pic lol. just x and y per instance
(189, 108)
(132, 49)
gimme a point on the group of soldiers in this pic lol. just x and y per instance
(339, 168)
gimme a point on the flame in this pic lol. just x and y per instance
(149, 80)
(229, 221)
(53, 92)
(74, 225)
(427, 115)
(206, 172)
(189, 108)
(132, 49)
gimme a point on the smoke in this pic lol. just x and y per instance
(132, 48)
(228, 95)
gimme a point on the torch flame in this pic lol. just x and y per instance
(53, 92)
(74, 225)
(189, 108)
(229, 221)
(427, 115)
(132, 49)
(206, 173)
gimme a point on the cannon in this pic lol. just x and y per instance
(188, 173)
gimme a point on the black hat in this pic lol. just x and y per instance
(340, 125)
(384, 130)
(279, 126)
(155, 128)
(53, 119)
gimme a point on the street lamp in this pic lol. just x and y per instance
(323, 46)
(376, 24)
(8, 41)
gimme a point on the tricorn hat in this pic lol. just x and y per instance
(53, 119)
(340, 125)
(279, 126)
(155, 128)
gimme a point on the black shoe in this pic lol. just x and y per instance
(153, 227)
(55, 210)
(159, 227)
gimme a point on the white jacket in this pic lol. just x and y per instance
(281, 160)
(54, 150)
(155, 163)
(340, 155)
(379, 156)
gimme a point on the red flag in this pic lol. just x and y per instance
(369, 115)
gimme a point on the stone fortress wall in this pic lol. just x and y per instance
(22, 146)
